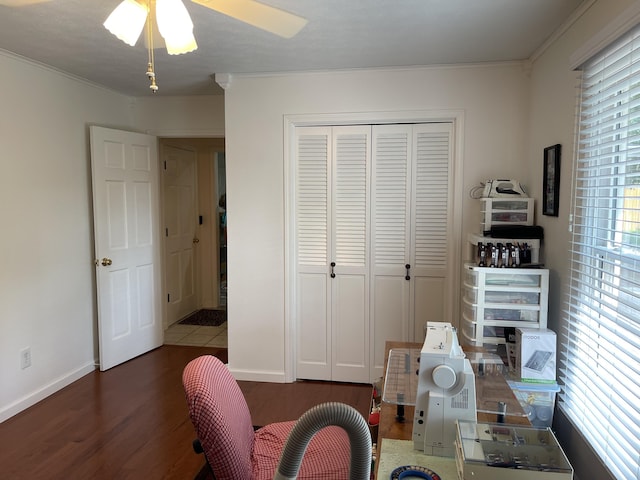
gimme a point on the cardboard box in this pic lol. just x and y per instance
(536, 355)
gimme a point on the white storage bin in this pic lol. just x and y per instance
(522, 314)
(511, 314)
(495, 333)
(519, 298)
(470, 294)
(469, 310)
(468, 329)
(475, 276)
(506, 211)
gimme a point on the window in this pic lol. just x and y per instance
(600, 361)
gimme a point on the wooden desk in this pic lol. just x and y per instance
(496, 390)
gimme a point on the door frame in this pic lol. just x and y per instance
(188, 141)
(291, 122)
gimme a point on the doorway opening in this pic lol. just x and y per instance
(220, 175)
(194, 274)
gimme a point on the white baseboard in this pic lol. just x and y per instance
(9, 411)
(258, 376)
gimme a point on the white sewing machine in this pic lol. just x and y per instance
(446, 391)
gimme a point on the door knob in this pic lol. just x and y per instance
(196, 240)
(106, 262)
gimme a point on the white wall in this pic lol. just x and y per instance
(196, 116)
(47, 274)
(553, 120)
(494, 101)
(47, 281)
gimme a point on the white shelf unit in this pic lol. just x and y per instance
(494, 298)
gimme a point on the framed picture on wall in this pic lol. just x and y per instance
(551, 180)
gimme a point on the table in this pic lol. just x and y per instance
(490, 389)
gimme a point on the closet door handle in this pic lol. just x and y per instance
(333, 275)
(408, 267)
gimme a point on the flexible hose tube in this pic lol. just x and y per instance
(315, 419)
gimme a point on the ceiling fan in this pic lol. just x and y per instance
(271, 19)
(172, 19)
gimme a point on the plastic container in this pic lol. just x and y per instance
(509, 452)
(518, 298)
(537, 401)
(524, 313)
(501, 211)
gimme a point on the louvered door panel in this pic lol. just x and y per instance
(351, 166)
(431, 234)
(391, 182)
(350, 240)
(431, 202)
(312, 210)
(312, 199)
(392, 150)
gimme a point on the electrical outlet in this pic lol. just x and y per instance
(25, 358)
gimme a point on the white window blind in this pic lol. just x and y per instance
(600, 361)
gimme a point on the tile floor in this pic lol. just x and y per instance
(195, 335)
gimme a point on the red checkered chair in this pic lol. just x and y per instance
(233, 449)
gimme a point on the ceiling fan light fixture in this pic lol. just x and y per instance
(175, 26)
(184, 44)
(127, 21)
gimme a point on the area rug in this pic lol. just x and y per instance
(206, 317)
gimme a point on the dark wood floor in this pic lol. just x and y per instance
(131, 422)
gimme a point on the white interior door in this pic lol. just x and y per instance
(127, 249)
(180, 218)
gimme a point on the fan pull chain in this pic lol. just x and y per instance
(151, 75)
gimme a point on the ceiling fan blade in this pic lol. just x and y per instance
(20, 3)
(259, 15)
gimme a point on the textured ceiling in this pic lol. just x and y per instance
(341, 34)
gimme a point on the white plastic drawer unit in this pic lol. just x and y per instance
(506, 279)
(518, 298)
(506, 211)
(495, 298)
(490, 333)
(529, 313)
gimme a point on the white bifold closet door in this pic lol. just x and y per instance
(332, 236)
(411, 190)
(371, 210)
